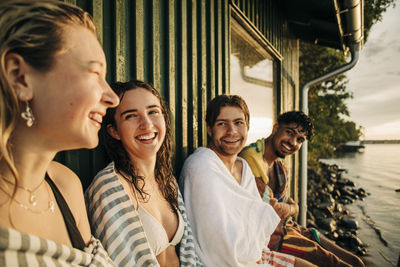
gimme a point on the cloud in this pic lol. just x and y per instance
(394, 73)
(374, 49)
(375, 81)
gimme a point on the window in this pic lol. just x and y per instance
(252, 77)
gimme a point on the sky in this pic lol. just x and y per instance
(375, 80)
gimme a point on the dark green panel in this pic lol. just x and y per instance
(225, 47)
(70, 1)
(108, 35)
(138, 43)
(181, 46)
(192, 59)
(84, 4)
(169, 62)
(202, 71)
(156, 39)
(218, 47)
(97, 13)
(148, 48)
(181, 89)
(266, 16)
(210, 52)
(161, 16)
(121, 40)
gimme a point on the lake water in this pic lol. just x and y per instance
(377, 170)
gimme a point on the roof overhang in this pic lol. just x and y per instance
(334, 23)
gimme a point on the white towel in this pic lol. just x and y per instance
(230, 222)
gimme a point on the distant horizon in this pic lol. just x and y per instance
(380, 139)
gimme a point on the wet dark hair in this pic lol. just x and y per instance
(116, 151)
(215, 105)
(300, 119)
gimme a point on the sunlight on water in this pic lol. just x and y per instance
(377, 170)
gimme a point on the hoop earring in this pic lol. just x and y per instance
(28, 115)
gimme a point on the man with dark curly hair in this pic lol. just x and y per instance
(265, 159)
(288, 134)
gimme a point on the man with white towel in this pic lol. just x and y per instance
(230, 222)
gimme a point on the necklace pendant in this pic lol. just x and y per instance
(51, 206)
(33, 200)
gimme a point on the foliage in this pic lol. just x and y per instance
(327, 106)
(373, 12)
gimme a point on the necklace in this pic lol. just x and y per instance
(51, 206)
(32, 193)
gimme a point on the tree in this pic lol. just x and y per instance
(373, 12)
(327, 106)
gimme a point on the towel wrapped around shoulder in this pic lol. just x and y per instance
(230, 222)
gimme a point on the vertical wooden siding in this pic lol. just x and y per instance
(267, 17)
(291, 99)
(180, 46)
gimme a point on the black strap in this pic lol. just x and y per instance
(73, 232)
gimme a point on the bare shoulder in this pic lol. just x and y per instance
(65, 179)
(71, 188)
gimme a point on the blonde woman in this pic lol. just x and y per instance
(134, 204)
(53, 97)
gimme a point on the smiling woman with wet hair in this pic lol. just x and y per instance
(134, 204)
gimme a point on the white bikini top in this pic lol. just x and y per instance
(155, 232)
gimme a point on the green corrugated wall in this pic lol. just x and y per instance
(268, 18)
(182, 47)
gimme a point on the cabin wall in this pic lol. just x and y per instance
(268, 19)
(183, 49)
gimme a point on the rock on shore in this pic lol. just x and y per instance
(328, 193)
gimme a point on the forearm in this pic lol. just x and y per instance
(284, 209)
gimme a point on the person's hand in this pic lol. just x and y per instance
(294, 208)
(282, 209)
(273, 201)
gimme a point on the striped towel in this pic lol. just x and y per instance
(116, 223)
(21, 249)
(276, 259)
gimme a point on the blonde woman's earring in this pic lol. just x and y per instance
(28, 115)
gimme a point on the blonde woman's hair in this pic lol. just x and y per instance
(32, 29)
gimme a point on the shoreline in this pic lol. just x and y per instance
(328, 194)
(376, 170)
